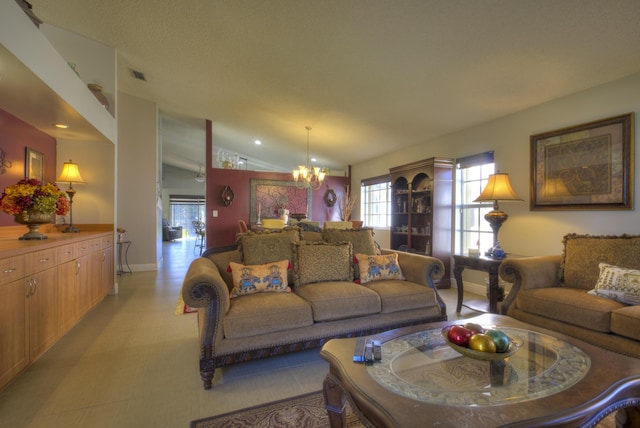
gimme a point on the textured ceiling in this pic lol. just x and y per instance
(367, 76)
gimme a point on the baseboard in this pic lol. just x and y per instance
(479, 289)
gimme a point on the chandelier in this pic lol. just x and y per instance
(306, 176)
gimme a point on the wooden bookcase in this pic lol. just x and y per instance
(421, 210)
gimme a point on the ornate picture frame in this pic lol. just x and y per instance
(274, 194)
(34, 164)
(584, 167)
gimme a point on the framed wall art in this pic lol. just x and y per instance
(584, 167)
(268, 196)
(34, 165)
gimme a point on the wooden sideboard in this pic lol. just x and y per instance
(46, 287)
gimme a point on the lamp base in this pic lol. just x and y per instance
(70, 229)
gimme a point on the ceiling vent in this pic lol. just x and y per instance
(138, 75)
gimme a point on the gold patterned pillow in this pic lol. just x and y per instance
(361, 239)
(269, 277)
(375, 268)
(321, 261)
(265, 247)
(619, 284)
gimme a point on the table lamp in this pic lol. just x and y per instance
(70, 174)
(497, 189)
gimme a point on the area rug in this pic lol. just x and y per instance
(302, 411)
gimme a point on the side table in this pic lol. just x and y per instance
(123, 251)
(490, 265)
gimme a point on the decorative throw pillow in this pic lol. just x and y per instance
(375, 268)
(266, 247)
(619, 284)
(583, 253)
(268, 277)
(361, 239)
(322, 261)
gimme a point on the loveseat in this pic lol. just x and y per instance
(591, 291)
(251, 305)
(169, 233)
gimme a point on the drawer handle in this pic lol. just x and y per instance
(44, 260)
(10, 270)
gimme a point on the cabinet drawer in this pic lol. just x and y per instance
(41, 260)
(82, 248)
(65, 253)
(107, 241)
(95, 244)
(12, 268)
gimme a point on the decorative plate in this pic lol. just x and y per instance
(479, 355)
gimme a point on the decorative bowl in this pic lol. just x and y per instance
(479, 355)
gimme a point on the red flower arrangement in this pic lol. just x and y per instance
(29, 195)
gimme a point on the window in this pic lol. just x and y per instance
(185, 209)
(472, 230)
(375, 201)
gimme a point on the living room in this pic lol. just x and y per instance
(128, 156)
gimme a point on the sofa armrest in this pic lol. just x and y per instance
(528, 273)
(204, 288)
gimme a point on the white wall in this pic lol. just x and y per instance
(532, 232)
(138, 183)
(94, 201)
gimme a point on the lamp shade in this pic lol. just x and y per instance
(70, 174)
(498, 188)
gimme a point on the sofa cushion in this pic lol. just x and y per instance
(263, 313)
(250, 279)
(321, 261)
(625, 322)
(336, 300)
(377, 268)
(258, 248)
(361, 239)
(619, 284)
(398, 296)
(583, 253)
(570, 305)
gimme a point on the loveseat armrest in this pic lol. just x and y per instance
(528, 273)
(203, 287)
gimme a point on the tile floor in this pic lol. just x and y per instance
(132, 363)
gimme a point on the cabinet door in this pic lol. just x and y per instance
(42, 299)
(85, 283)
(107, 270)
(67, 295)
(14, 348)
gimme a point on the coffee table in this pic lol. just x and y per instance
(553, 380)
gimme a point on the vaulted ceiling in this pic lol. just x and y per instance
(367, 76)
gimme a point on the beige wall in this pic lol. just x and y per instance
(138, 188)
(531, 232)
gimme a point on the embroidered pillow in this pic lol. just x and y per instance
(266, 247)
(251, 279)
(376, 268)
(619, 284)
(321, 261)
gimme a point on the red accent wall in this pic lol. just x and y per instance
(222, 230)
(15, 136)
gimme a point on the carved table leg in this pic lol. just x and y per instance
(335, 400)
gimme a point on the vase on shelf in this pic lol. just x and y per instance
(96, 90)
(33, 220)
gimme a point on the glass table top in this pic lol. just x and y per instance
(421, 366)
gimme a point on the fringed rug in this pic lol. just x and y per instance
(302, 411)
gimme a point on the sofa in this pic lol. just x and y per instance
(591, 291)
(170, 233)
(279, 292)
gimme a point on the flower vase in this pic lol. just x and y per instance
(33, 220)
